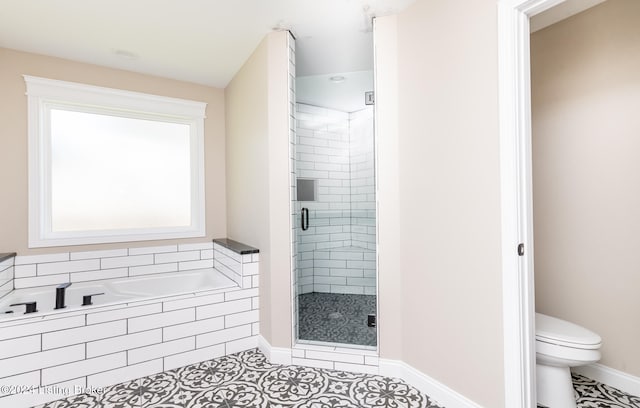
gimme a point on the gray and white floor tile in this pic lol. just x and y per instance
(247, 380)
(336, 318)
(593, 394)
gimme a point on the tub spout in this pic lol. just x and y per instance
(60, 291)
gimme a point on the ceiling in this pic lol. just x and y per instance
(346, 95)
(561, 12)
(201, 41)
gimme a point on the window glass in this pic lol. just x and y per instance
(107, 165)
(110, 172)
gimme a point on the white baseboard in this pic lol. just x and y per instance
(437, 391)
(615, 378)
(275, 355)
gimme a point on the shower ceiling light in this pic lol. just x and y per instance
(337, 79)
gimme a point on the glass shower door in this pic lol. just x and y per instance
(335, 226)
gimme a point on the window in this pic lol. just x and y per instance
(108, 165)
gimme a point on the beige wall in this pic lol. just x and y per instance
(586, 174)
(390, 313)
(13, 136)
(448, 194)
(258, 176)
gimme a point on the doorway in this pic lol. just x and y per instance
(517, 191)
(334, 208)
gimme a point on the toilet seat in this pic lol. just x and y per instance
(562, 333)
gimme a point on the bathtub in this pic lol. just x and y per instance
(201, 302)
(114, 291)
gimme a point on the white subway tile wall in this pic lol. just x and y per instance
(6, 276)
(335, 358)
(128, 373)
(294, 207)
(235, 266)
(108, 345)
(51, 269)
(337, 253)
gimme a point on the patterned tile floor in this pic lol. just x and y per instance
(247, 380)
(336, 318)
(592, 394)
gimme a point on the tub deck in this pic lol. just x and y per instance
(130, 334)
(116, 291)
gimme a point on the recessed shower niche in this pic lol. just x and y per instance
(334, 211)
(307, 189)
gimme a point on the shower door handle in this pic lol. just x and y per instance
(304, 219)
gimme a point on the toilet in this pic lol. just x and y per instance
(561, 345)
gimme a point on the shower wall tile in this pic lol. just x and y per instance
(363, 204)
(336, 358)
(337, 150)
(294, 209)
(347, 290)
(344, 270)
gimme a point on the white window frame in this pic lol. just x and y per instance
(43, 94)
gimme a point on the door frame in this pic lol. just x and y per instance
(516, 198)
(293, 239)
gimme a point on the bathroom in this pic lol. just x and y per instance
(585, 206)
(100, 307)
(439, 275)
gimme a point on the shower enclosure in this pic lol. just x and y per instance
(334, 210)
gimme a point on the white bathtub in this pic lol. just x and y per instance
(115, 291)
(171, 283)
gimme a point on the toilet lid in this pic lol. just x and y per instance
(557, 331)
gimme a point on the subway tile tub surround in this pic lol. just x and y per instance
(6, 273)
(46, 355)
(237, 261)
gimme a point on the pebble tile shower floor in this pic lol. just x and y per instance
(247, 380)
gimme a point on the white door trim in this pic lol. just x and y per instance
(516, 198)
